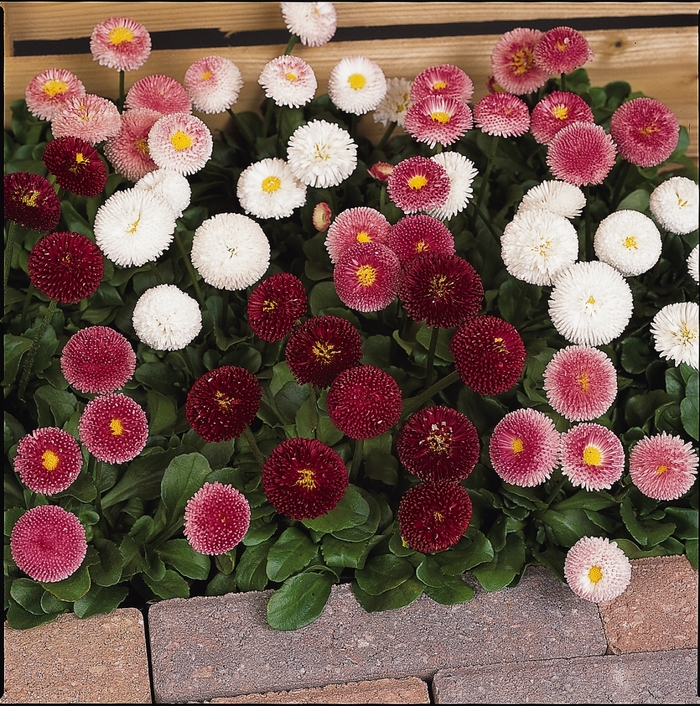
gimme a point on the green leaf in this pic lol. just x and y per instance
(179, 555)
(632, 551)
(55, 407)
(636, 201)
(569, 526)
(183, 477)
(506, 565)
(73, 588)
(292, 551)
(99, 600)
(108, 571)
(323, 296)
(290, 398)
(28, 593)
(648, 534)
(250, 572)
(368, 528)
(686, 521)
(299, 601)
(162, 412)
(172, 585)
(20, 619)
(398, 597)
(15, 348)
(382, 573)
(586, 499)
(340, 554)
(430, 573)
(452, 591)
(691, 551)
(690, 407)
(220, 585)
(636, 355)
(466, 554)
(259, 531)
(351, 511)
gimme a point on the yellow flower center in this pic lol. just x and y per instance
(543, 248)
(583, 381)
(422, 246)
(417, 182)
(322, 152)
(560, 112)
(206, 75)
(517, 445)
(119, 35)
(115, 427)
(686, 334)
(438, 516)
(649, 130)
(521, 61)
(54, 87)
(271, 184)
(630, 242)
(357, 81)
(49, 460)
(440, 441)
(590, 300)
(366, 275)
(661, 469)
(180, 140)
(499, 345)
(224, 401)
(592, 456)
(440, 116)
(561, 45)
(439, 85)
(595, 574)
(324, 351)
(30, 198)
(307, 479)
(291, 76)
(141, 144)
(363, 237)
(440, 286)
(132, 228)
(681, 201)
(269, 305)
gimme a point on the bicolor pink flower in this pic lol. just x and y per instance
(120, 43)
(513, 61)
(213, 84)
(89, 117)
(438, 119)
(581, 154)
(442, 80)
(321, 216)
(381, 171)
(555, 112)
(160, 93)
(128, 150)
(502, 114)
(561, 50)
(417, 234)
(181, 142)
(49, 90)
(592, 456)
(288, 80)
(418, 184)
(356, 225)
(597, 569)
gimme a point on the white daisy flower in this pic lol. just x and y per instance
(591, 303)
(356, 85)
(556, 196)
(169, 185)
(675, 331)
(213, 84)
(313, 22)
(289, 81)
(597, 569)
(461, 172)
(166, 318)
(392, 108)
(629, 241)
(674, 205)
(693, 267)
(134, 227)
(269, 189)
(537, 244)
(230, 251)
(321, 154)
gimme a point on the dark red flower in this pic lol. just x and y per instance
(77, 166)
(417, 234)
(30, 200)
(275, 305)
(561, 50)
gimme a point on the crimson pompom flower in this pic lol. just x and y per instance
(417, 234)
(77, 166)
(355, 225)
(581, 154)
(663, 466)
(30, 200)
(524, 447)
(502, 114)
(113, 428)
(65, 266)
(98, 359)
(418, 184)
(592, 456)
(321, 348)
(438, 119)
(513, 61)
(561, 50)
(304, 478)
(489, 354)
(366, 276)
(48, 460)
(444, 290)
(275, 305)
(555, 112)
(120, 43)
(222, 402)
(48, 543)
(160, 93)
(580, 383)
(216, 518)
(434, 516)
(442, 80)
(438, 443)
(645, 131)
(364, 401)
(128, 150)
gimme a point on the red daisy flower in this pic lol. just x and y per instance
(366, 277)
(275, 305)
(417, 234)
(48, 543)
(592, 456)
(128, 150)
(445, 290)
(442, 80)
(438, 443)
(418, 184)
(304, 478)
(489, 354)
(434, 516)
(581, 153)
(113, 428)
(645, 131)
(160, 93)
(65, 266)
(513, 62)
(77, 166)
(502, 114)
(97, 359)
(321, 348)
(438, 119)
(556, 111)
(355, 225)
(48, 460)
(222, 402)
(217, 518)
(30, 200)
(364, 401)
(561, 50)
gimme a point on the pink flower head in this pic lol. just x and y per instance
(275, 305)
(77, 166)
(49, 90)
(645, 131)
(580, 383)
(556, 111)
(366, 276)
(561, 50)
(592, 456)
(355, 225)
(160, 93)
(128, 150)
(663, 466)
(213, 84)
(120, 44)
(524, 447)
(30, 200)
(381, 171)
(313, 22)
(288, 80)
(418, 184)
(442, 80)
(48, 543)
(502, 114)
(596, 569)
(418, 234)
(89, 117)
(513, 61)
(181, 142)
(438, 119)
(581, 154)
(321, 216)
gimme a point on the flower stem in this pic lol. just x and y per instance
(290, 45)
(588, 244)
(431, 356)
(621, 179)
(487, 174)
(269, 108)
(487, 221)
(25, 306)
(248, 434)
(155, 271)
(224, 310)
(11, 232)
(555, 490)
(356, 459)
(122, 93)
(97, 479)
(242, 128)
(314, 409)
(29, 360)
(413, 403)
(190, 269)
(387, 134)
(563, 81)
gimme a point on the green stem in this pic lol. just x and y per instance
(11, 232)
(122, 92)
(621, 179)
(563, 81)
(382, 198)
(156, 273)
(487, 221)
(356, 459)
(314, 409)
(248, 434)
(25, 307)
(414, 403)
(290, 45)
(29, 360)
(431, 356)
(242, 128)
(588, 244)
(387, 134)
(438, 148)
(224, 310)
(96, 472)
(269, 108)
(190, 269)
(487, 174)
(555, 490)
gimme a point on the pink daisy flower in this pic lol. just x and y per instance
(513, 61)
(418, 184)
(438, 119)
(289, 81)
(561, 50)
(417, 234)
(592, 456)
(645, 131)
(502, 114)
(524, 447)
(663, 466)
(213, 84)
(381, 171)
(181, 142)
(581, 153)
(128, 150)
(556, 111)
(49, 90)
(321, 216)
(160, 93)
(580, 383)
(275, 305)
(366, 276)
(89, 117)
(356, 225)
(121, 44)
(596, 569)
(442, 80)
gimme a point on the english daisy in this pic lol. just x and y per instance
(51, 89)
(438, 119)
(674, 205)
(275, 305)
(288, 80)
(321, 216)
(597, 569)
(693, 266)
(356, 85)
(556, 111)
(157, 92)
(356, 225)
(417, 234)
(128, 150)
(269, 189)
(556, 196)
(581, 153)
(561, 50)
(392, 108)
(181, 142)
(170, 185)
(592, 456)
(120, 43)
(513, 61)
(461, 172)
(442, 80)
(213, 84)
(676, 329)
(89, 117)
(381, 171)
(502, 114)
(313, 22)
(418, 184)
(76, 164)
(30, 200)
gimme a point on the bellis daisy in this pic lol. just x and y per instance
(581, 154)
(513, 62)
(597, 569)
(556, 196)
(288, 80)
(418, 184)
(438, 119)
(181, 142)
(356, 85)
(442, 80)
(392, 108)
(693, 264)
(674, 205)
(592, 456)
(128, 150)
(89, 117)
(76, 164)
(676, 331)
(160, 93)
(120, 43)
(313, 22)
(213, 84)
(169, 185)
(561, 50)
(417, 234)
(461, 172)
(30, 200)
(356, 225)
(502, 114)
(49, 90)
(321, 216)
(556, 111)
(275, 305)
(269, 189)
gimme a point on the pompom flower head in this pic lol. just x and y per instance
(674, 205)
(556, 196)
(461, 173)
(555, 111)
(592, 456)
(158, 92)
(676, 332)
(51, 89)
(392, 108)
(417, 234)
(513, 61)
(418, 184)
(213, 84)
(269, 189)
(438, 119)
(442, 80)
(356, 85)
(170, 185)
(128, 150)
(693, 262)
(120, 43)
(77, 166)
(313, 22)
(89, 117)
(356, 225)
(180, 141)
(275, 305)
(30, 200)
(581, 154)
(561, 50)
(597, 569)
(289, 81)
(502, 115)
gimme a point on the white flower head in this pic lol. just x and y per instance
(166, 318)
(269, 189)
(356, 85)
(559, 197)
(230, 251)
(169, 185)
(392, 108)
(461, 172)
(628, 241)
(321, 154)
(289, 81)
(537, 244)
(590, 304)
(597, 569)
(693, 266)
(676, 333)
(313, 22)
(674, 205)
(134, 227)
(213, 84)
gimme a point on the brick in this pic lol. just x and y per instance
(208, 647)
(101, 659)
(648, 678)
(381, 691)
(659, 609)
